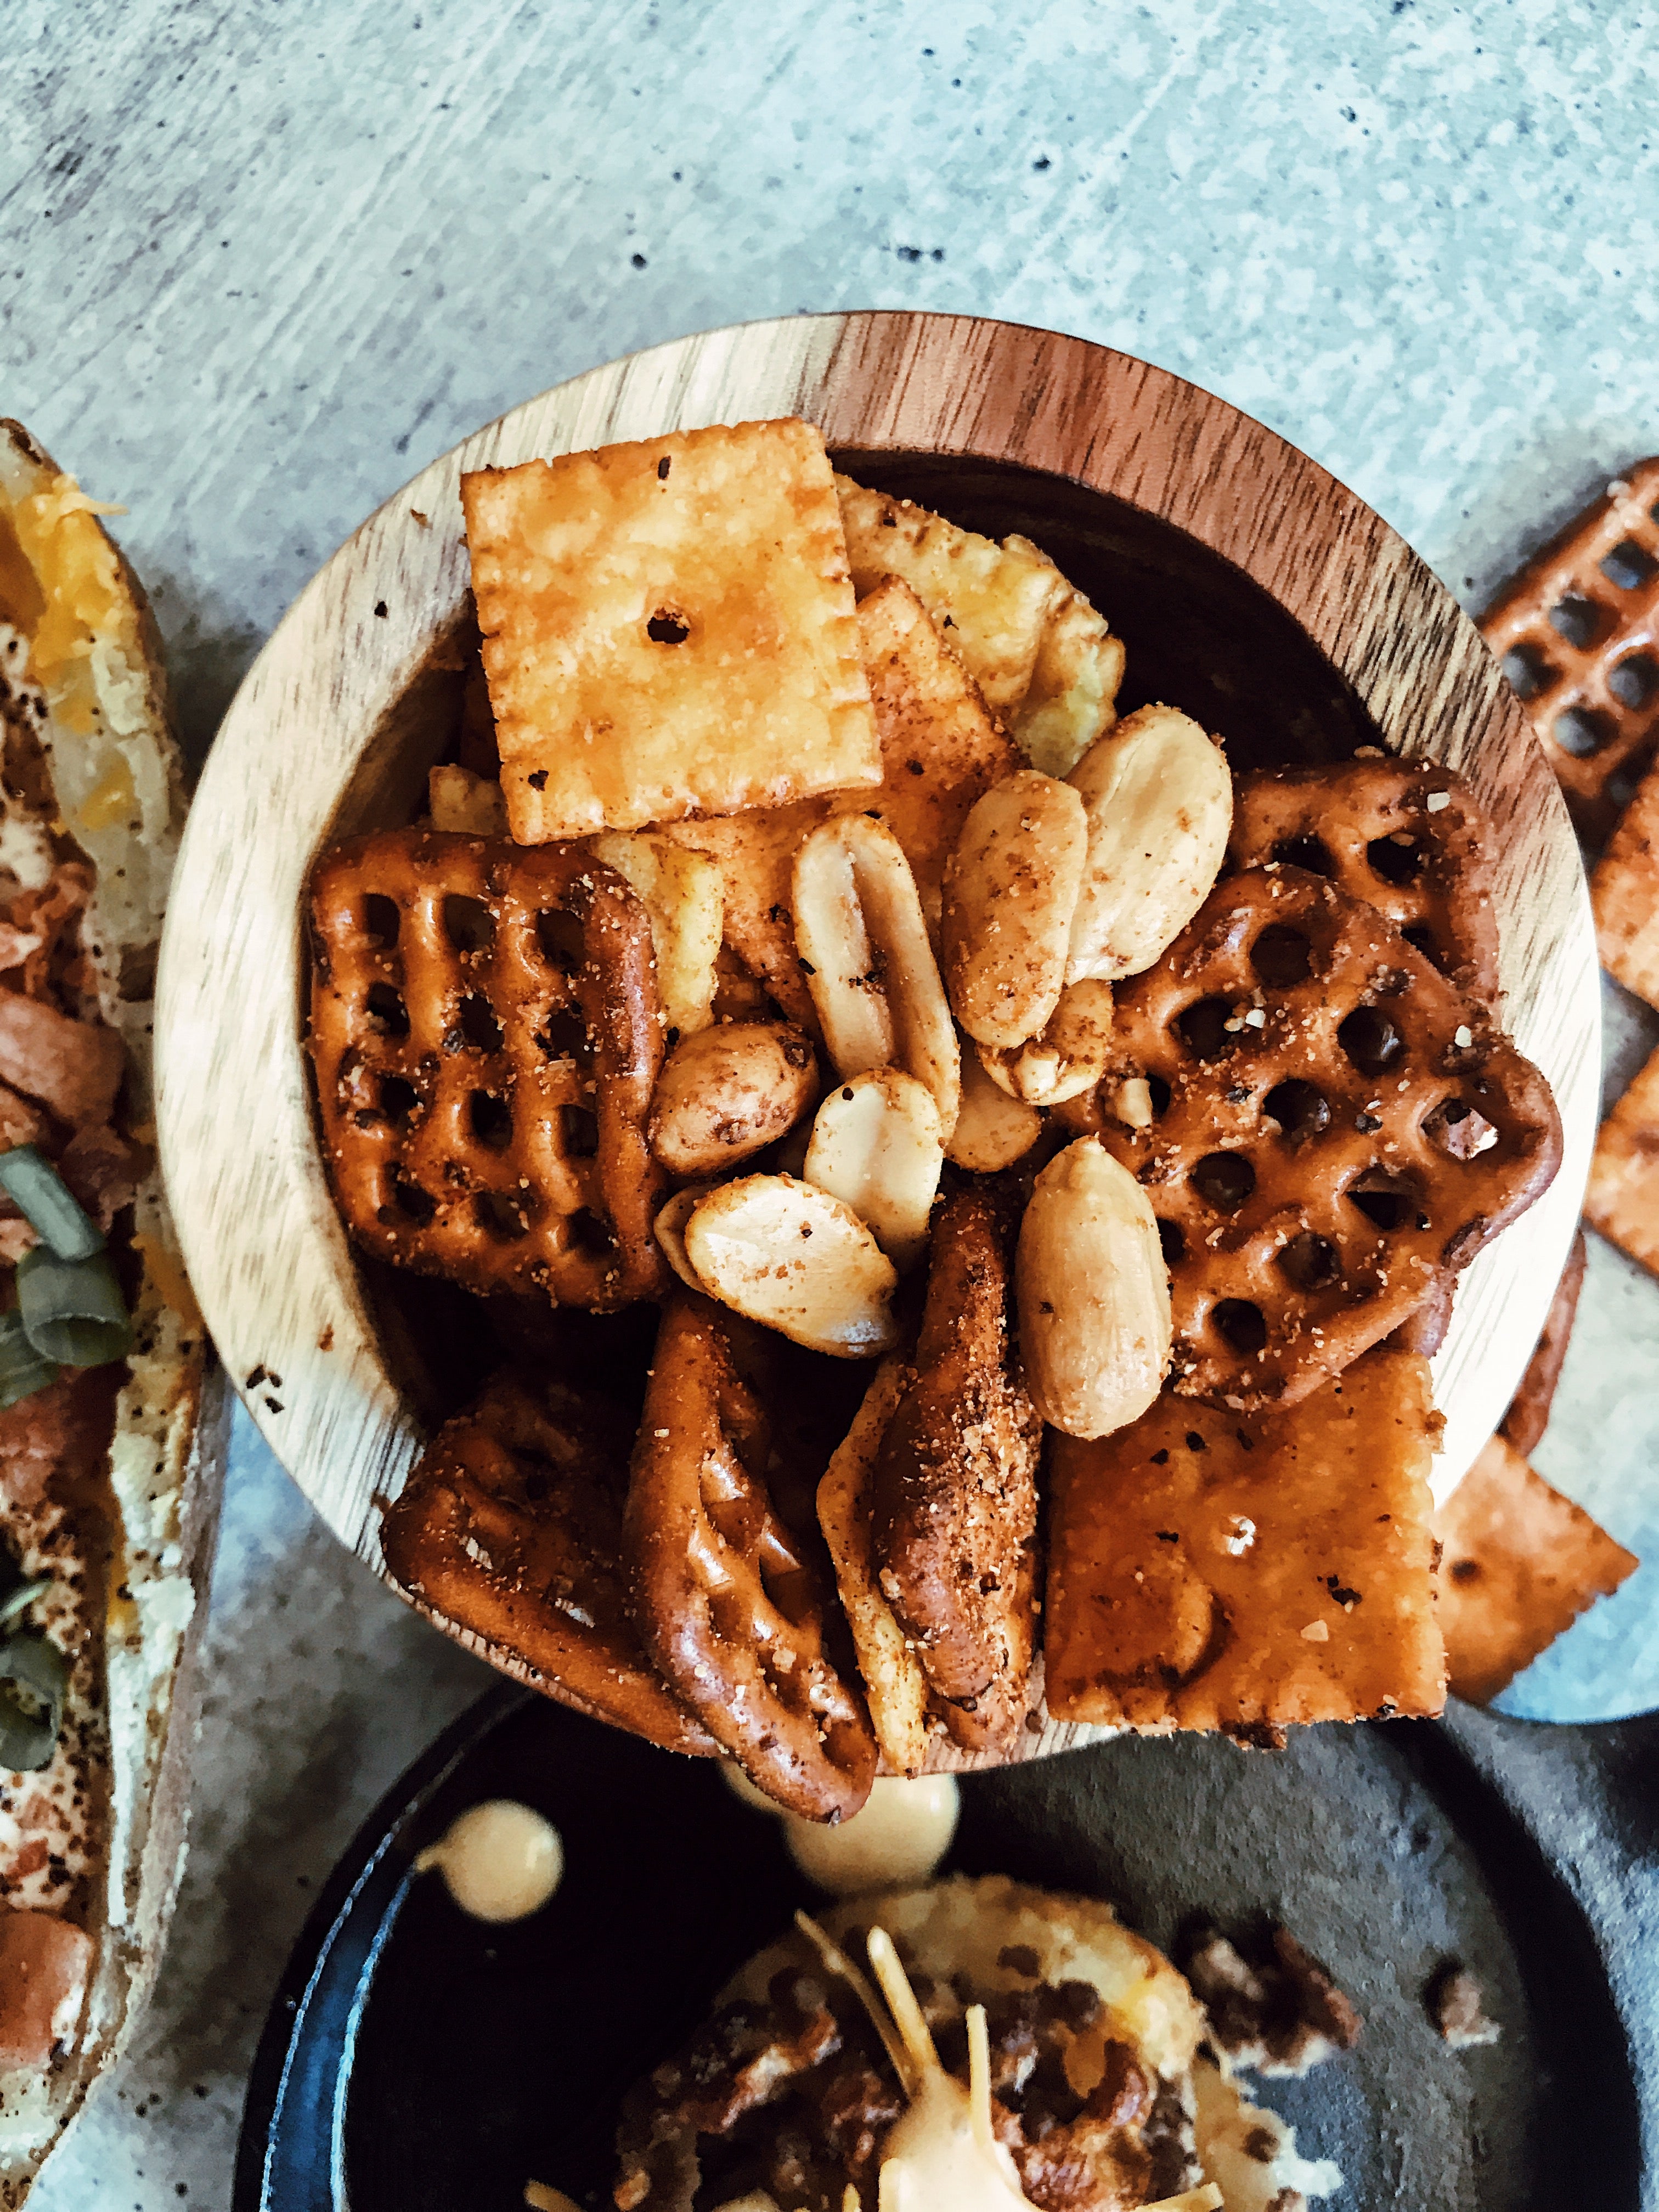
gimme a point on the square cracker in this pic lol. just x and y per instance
(1623, 1198)
(728, 543)
(1624, 893)
(940, 751)
(1519, 1564)
(1210, 1571)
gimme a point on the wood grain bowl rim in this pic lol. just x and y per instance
(267, 1256)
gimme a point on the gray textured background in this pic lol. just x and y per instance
(259, 262)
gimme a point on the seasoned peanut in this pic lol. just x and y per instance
(994, 1129)
(1160, 807)
(669, 1229)
(1010, 890)
(684, 894)
(796, 1260)
(726, 1092)
(869, 967)
(1069, 1056)
(1093, 1293)
(876, 1147)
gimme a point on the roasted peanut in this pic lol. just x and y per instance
(876, 1147)
(796, 1260)
(1159, 802)
(669, 1229)
(994, 1129)
(869, 967)
(1069, 1056)
(684, 894)
(1093, 1294)
(1010, 890)
(726, 1092)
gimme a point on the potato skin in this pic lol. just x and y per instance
(727, 1091)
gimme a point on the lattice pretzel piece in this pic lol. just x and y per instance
(1408, 837)
(1333, 1124)
(731, 1605)
(1577, 632)
(510, 1526)
(954, 1504)
(486, 1036)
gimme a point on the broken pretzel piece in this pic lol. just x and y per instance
(510, 1526)
(953, 1498)
(729, 1602)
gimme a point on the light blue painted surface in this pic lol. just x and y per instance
(258, 264)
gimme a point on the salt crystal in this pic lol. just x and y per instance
(1438, 800)
(1315, 1632)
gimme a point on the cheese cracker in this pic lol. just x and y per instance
(1623, 1198)
(1624, 893)
(1042, 657)
(668, 629)
(1208, 1570)
(1520, 1563)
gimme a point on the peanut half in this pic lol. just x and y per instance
(726, 1092)
(669, 1228)
(1068, 1056)
(1093, 1293)
(877, 1147)
(1010, 888)
(869, 967)
(796, 1260)
(994, 1129)
(1159, 803)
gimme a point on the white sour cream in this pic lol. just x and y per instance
(500, 1861)
(896, 1837)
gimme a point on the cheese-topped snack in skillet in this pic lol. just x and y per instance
(974, 2044)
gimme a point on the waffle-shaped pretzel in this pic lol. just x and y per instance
(486, 1036)
(1578, 633)
(731, 1606)
(1333, 1124)
(510, 1526)
(1408, 837)
(954, 1504)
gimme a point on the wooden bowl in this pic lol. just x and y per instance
(1252, 589)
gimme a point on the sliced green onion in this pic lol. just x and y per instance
(19, 1600)
(72, 1309)
(47, 1204)
(23, 1370)
(34, 1676)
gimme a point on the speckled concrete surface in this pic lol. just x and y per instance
(261, 264)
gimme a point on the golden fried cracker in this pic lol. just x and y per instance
(1073, 696)
(1623, 1198)
(668, 628)
(1208, 1570)
(940, 750)
(990, 602)
(1624, 893)
(1519, 1564)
